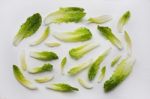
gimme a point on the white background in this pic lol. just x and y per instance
(14, 12)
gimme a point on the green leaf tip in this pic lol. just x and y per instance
(28, 28)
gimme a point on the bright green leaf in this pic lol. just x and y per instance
(62, 87)
(41, 69)
(115, 60)
(96, 64)
(78, 35)
(107, 33)
(66, 14)
(44, 55)
(120, 74)
(102, 75)
(28, 28)
(83, 49)
(21, 78)
(63, 63)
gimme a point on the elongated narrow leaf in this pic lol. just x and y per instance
(41, 38)
(63, 63)
(62, 87)
(77, 69)
(52, 44)
(100, 19)
(22, 79)
(128, 42)
(120, 74)
(44, 55)
(66, 14)
(28, 28)
(85, 84)
(107, 33)
(44, 79)
(123, 21)
(96, 64)
(78, 35)
(102, 75)
(23, 62)
(115, 60)
(41, 69)
(82, 50)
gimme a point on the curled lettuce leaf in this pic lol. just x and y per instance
(66, 14)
